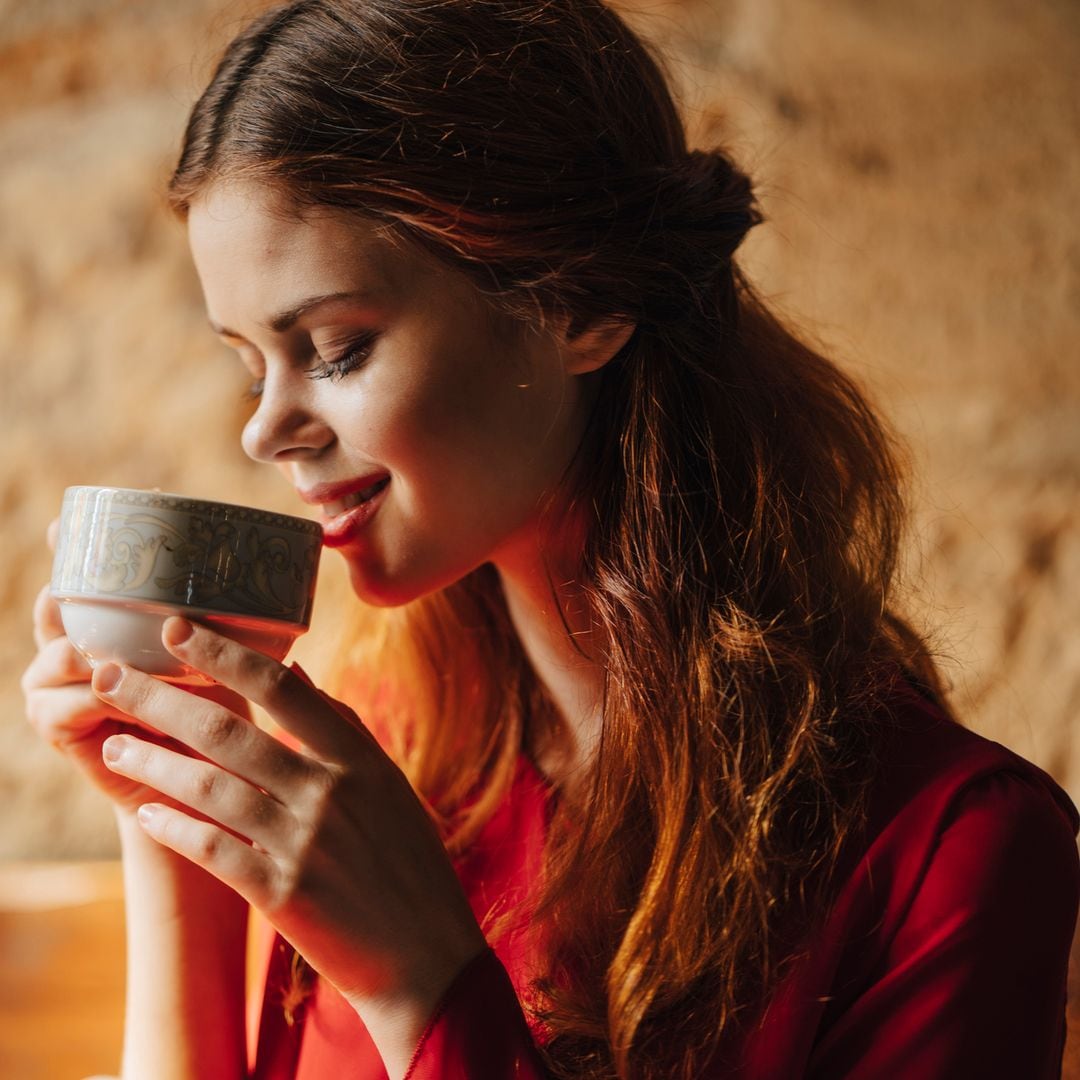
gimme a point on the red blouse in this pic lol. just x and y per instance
(945, 953)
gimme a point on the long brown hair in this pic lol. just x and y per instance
(743, 499)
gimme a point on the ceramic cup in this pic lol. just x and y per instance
(126, 560)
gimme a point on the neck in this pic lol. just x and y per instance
(549, 615)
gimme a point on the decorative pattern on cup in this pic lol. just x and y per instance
(123, 545)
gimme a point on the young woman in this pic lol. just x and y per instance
(632, 769)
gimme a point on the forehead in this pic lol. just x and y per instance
(252, 249)
(257, 255)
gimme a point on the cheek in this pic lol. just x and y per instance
(486, 429)
(503, 404)
(453, 407)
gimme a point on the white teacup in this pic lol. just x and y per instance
(126, 560)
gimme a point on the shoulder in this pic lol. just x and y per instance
(960, 822)
(1003, 852)
(965, 883)
(933, 771)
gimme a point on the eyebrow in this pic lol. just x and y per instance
(283, 320)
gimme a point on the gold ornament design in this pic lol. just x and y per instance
(215, 563)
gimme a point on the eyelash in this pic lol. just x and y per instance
(354, 357)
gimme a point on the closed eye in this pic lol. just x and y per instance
(336, 368)
(340, 366)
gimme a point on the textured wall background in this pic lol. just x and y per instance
(918, 164)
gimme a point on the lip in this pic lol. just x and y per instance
(332, 492)
(345, 528)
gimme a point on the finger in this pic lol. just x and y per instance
(58, 663)
(213, 792)
(208, 728)
(339, 706)
(240, 866)
(52, 532)
(327, 727)
(66, 714)
(223, 696)
(47, 622)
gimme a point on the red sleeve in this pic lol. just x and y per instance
(478, 1030)
(974, 981)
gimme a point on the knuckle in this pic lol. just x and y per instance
(259, 809)
(208, 845)
(37, 675)
(278, 680)
(214, 648)
(283, 885)
(291, 768)
(261, 885)
(207, 785)
(42, 715)
(38, 716)
(323, 790)
(216, 728)
(28, 681)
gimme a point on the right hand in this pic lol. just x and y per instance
(66, 712)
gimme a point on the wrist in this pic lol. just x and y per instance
(397, 1017)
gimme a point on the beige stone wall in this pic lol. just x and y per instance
(918, 164)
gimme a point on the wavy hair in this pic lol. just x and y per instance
(743, 500)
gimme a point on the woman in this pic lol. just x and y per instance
(683, 798)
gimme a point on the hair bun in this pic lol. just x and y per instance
(689, 220)
(710, 197)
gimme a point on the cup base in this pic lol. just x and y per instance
(129, 632)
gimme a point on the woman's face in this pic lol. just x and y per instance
(426, 431)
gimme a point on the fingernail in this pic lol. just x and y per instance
(146, 813)
(112, 750)
(107, 677)
(176, 630)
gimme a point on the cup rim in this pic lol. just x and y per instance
(167, 500)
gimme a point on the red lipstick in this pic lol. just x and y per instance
(347, 507)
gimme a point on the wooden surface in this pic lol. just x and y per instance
(62, 973)
(61, 970)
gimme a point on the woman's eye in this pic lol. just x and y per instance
(337, 368)
(340, 366)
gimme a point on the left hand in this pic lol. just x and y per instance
(331, 843)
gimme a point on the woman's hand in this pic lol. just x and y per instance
(330, 843)
(182, 1018)
(64, 710)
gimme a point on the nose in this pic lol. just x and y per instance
(285, 426)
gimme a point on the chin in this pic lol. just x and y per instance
(386, 591)
(379, 592)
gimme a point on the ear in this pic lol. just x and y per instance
(591, 347)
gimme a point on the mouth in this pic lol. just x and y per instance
(332, 508)
(334, 498)
(345, 509)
